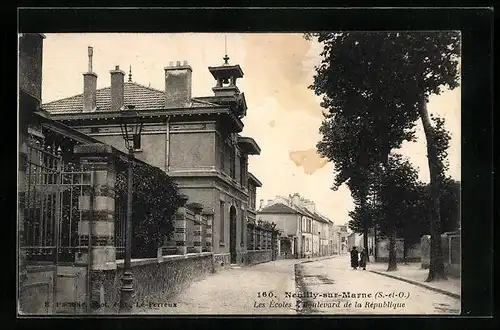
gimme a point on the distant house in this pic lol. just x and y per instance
(357, 240)
(287, 220)
(341, 234)
(308, 233)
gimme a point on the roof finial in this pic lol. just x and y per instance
(90, 52)
(130, 74)
(225, 58)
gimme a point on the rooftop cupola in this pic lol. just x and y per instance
(225, 77)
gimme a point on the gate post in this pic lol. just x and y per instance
(197, 228)
(208, 234)
(180, 235)
(98, 217)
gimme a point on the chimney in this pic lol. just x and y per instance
(178, 85)
(89, 86)
(117, 79)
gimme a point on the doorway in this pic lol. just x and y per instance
(232, 234)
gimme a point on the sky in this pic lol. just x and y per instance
(283, 115)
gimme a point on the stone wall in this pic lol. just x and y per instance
(154, 279)
(36, 292)
(412, 254)
(450, 245)
(257, 257)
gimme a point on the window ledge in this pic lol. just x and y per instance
(137, 150)
(222, 244)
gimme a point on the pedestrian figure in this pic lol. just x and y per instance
(362, 259)
(354, 258)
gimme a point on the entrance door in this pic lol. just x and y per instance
(232, 234)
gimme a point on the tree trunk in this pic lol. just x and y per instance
(436, 267)
(375, 242)
(393, 265)
(365, 238)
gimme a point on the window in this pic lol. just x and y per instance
(137, 142)
(232, 162)
(251, 198)
(222, 155)
(94, 130)
(242, 171)
(222, 215)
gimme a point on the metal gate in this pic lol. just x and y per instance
(52, 215)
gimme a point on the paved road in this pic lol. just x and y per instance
(280, 287)
(354, 287)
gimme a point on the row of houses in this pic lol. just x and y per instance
(304, 231)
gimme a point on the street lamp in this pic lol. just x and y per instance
(131, 127)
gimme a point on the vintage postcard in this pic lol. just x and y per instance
(239, 173)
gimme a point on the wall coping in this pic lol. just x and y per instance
(185, 256)
(150, 261)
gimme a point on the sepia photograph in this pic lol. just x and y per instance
(312, 173)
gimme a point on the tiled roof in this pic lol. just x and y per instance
(313, 215)
(143, 97)
(278, 208)
(306, 212)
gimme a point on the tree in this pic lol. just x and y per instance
(387, 78)
(361, 129)
(345, 142)
(400, 184)
(155, 201)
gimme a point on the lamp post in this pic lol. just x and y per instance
(131, 127)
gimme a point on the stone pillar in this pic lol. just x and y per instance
(257, 239)
(197, 232)
(180, 235)
(209, 216)
(97, 204)
(255, 242)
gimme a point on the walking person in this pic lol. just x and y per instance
(362, 259)
(354, 258)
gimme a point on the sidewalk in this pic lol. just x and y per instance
(237, 290)
(414, 274)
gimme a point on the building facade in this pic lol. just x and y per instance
(195, 140)
(357, 240)
(309, 233)
(340, 239)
